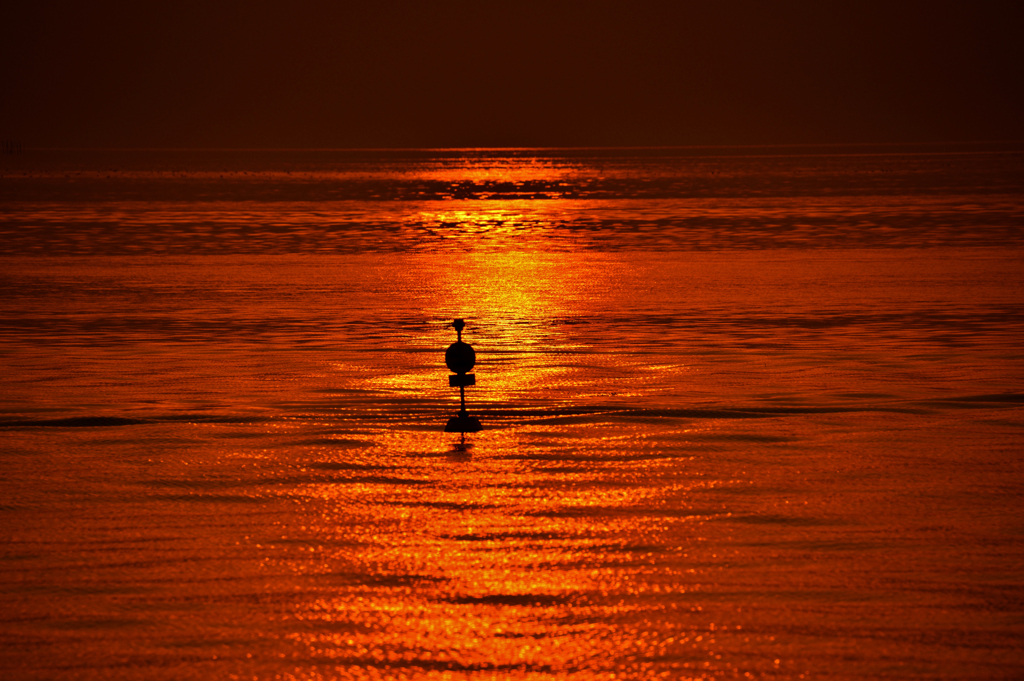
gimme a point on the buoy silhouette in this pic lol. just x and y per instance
(460, 358)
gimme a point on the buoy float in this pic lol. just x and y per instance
(460, 358)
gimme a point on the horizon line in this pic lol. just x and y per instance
(795, 145)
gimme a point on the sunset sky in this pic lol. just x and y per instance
(431, 74)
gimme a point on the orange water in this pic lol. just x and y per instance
(732, 462)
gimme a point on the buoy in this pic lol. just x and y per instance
(460, 358)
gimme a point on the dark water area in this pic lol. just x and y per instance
(750, 413)
(90, 203)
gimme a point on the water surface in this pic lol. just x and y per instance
(747, 415)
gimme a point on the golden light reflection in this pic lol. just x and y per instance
(526, 561)
(515, 171)
(510, 300)
(539, 551)
(491, 224)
